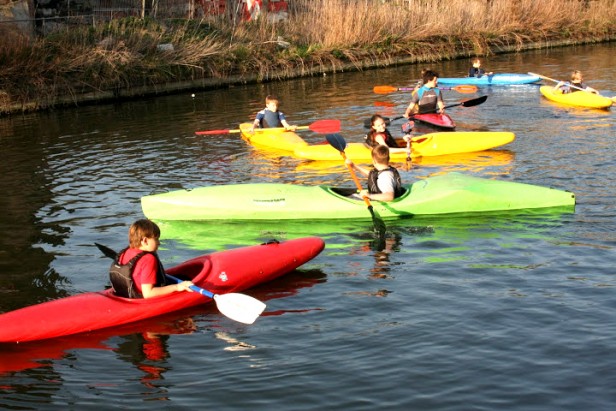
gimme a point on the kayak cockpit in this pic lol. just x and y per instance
(348, 192)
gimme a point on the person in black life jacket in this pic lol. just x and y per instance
(270, 117)
(384, 182)
(428, 98)
(476, 70)
(137, 271)
(379, 135)
(577, 80)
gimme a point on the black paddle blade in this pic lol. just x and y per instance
(108, 252)
(336, 141)
(474, 102)
(379, 224)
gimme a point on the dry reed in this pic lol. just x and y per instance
(140, 52)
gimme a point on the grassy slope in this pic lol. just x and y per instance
(123, 58)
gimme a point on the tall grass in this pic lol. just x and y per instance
(129, 53)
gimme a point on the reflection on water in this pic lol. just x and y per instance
(489, 161)
(453, 298)
(145, 344)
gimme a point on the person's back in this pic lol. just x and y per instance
(384, 181)
(428, 98)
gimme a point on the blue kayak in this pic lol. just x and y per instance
(498, 79)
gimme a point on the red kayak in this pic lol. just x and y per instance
(220, 273)
(440, 121)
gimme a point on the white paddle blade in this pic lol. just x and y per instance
(239, 307)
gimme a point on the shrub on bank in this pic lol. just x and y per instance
(319, 35)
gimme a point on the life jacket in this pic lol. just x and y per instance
(121, 275)
(271, 119)
(427, 105)
(476, 72)
(389, 140)
(373, 176)
(570, 89)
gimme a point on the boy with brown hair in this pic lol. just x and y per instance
(384, 182)
(137, 271)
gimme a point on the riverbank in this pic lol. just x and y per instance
(134, 58)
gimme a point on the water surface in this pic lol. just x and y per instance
(510, 311)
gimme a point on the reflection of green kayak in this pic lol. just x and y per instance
(342, 235)
(221, 235)
(446, 194)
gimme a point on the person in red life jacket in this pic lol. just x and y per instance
(384, 182)
(476, 70)
(428, 98)
(137, 272)
(577, 81)
(270, 117)
(379, 135)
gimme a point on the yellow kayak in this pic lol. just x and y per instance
(272, 137)
(427, 145)
(578, 98)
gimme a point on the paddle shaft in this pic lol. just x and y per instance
(199, 290)
(319, 126)
(356, 180)
(391, 89)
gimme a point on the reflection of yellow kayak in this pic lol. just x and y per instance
(275, 138)
(464, 161)
(427, 145)
(578, 98)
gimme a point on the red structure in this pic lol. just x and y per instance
(250, 8)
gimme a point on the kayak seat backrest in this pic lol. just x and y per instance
(194, 270)
(345, 192)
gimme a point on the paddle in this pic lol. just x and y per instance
(319, 126)
(466, 103)
(408, 154)
(568, 83)
(239, 307)
(571, 85)
(465, 89)
(338, 142)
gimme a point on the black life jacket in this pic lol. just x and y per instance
(389, 140)
(476, 72)
(121, 275)
(572, 89)
(373, 187)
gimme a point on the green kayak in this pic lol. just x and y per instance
(446, 194)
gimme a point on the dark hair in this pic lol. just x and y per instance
(375, 118)
(429, 75)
